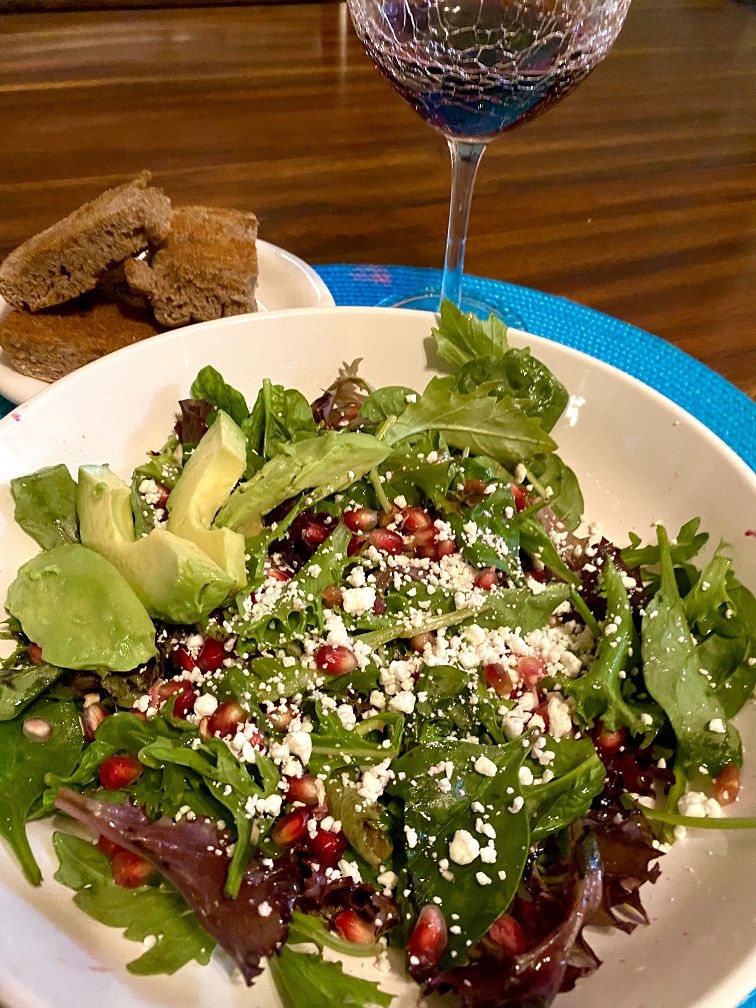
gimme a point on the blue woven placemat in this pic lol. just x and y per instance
(709, 397)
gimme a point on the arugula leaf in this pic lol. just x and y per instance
(335, 459)
(435, 815)
(308, 981)
(537, 543)
(460, 337)
(149, 910)
(45, 506)
(487, 537)
(578, 779)
(672, 673)
(566, 499)
(23, 766)
(731, 660)
(21, 681)
(278, 417)
(687, 543)
(311, 928)
(474, 421)
(520, 609)
(598, 693)
(360, 821)
(331, 739)
(709, 595)
(384, 402)
(211, 386)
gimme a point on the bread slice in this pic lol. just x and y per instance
(68, 258)
(206, 269)
(51, 343)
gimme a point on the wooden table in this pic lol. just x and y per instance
(636, 196)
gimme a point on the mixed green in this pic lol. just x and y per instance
(357, 675)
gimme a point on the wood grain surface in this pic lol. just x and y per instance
(636, 196)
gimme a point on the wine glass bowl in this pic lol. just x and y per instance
(473, 69)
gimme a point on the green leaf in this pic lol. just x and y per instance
(578, 779)
(687, 543)
(435, 815)
(673, 677)
(23, 766)
(731, 660)
(475, 422)
(307, 981)
(157, 911)
(460, 337)
(566, 499)
(360, 821)
(520, 609)
(311, 928)
(385, 402)
(537, 543)
(161, 467)
(21, 681)
(278, 417)
(709, 597)
(210, 386)
(46, 506)
(488, 533)
(331, 740)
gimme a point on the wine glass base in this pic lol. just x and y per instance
(430, 300)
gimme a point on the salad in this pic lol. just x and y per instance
(358, 676)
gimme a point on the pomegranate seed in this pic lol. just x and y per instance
(35, 653)
(474, 491)
(37, 729)
(499, 679)
(353, 928)
(91, 718)
(335, 659)
(356, 544)
(386, 541)
(307, 789)
(538, 575)
(379, 606)
(276, 573)
(281, 717)
(362, 519)
(130, 870)
(328, 847)
(531, 669)
(184, 702)
(164, 493)
(386, 518)
(445, 547)
(520, 496)
(332, 597)
(182, 659)
(212, 655)
(508, 935)
(118, 772)
(727, 785)
(109, 847)
(611, 742)
(315, 534)
(487, 579)
(429, 937)
(424, 537)
(226, 718)
(429, 552)
(416, 518)
(422, 640)
(290, 828)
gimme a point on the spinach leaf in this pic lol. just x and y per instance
(162, 467)
(278, 417)
(475, 422)
(730, 661)
(598, 693)
(45, 506)
(21, 681)
(709, 595)
(478, 892)
(385, 402)
(308, 981)
(672, 673)
(488, 533)
(149, 910)
(537, 543)
(520, 609)
(566, 499)
(460, 337)
(210, 386)
(23, 766)
(578, 779)
(360, 821)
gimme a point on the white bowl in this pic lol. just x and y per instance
(640, 459)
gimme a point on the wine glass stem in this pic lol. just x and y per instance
(465, 158)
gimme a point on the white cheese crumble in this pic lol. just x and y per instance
(463, 848)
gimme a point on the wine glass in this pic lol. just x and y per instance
(474, 69)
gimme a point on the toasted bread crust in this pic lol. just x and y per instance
(67, 259)
(51, 343)
(206, 269)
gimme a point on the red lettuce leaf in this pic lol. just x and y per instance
(185, 853)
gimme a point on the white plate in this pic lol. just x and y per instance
(640, 458)
(285, 281)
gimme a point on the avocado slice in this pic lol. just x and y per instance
(174, 579)
(331, 459)
(81, 611)
(214, 468)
